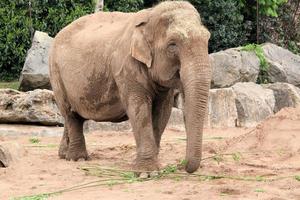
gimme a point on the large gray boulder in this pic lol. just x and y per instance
(232, 66)
(38, 107)
(221, 108)
(286, 95)
(176, 120)
(284, 66)
(253, 103)
(35, 73)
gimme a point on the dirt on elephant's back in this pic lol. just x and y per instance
(238, 163)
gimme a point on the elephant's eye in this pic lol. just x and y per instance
(172, 48)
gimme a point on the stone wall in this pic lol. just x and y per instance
(234, 100)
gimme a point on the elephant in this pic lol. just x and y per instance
(114, 66)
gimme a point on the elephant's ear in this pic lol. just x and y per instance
(140, 48)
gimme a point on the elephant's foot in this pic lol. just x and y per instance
(148, 169)
(76, 153)
(146, 165)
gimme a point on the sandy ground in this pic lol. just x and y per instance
(266, 158)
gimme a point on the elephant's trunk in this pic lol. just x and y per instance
(195, 76)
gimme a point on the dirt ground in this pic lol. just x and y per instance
(238, 163)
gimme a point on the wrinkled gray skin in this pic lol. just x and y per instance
(110, 66)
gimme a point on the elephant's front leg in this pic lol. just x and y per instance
(162, 108)
(139, 111)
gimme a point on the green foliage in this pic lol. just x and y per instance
(228, 29)
(34, 197)
(130, 177)
(183, 163)
(123, 5)
(52, 16)
(14, 39)
(283, 30)
(264, 65)
(270, 7)
(293, 47)
(236, 156)
(150, 3)
(34, 140)
(259, 190)
(218, 158)
(169, 169)
(16, 27)
(265, 7)
(12, 85)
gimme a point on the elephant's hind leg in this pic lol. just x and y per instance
(76, 148)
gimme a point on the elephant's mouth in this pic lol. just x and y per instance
(177, 75)
(174, 82)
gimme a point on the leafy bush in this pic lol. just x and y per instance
(14, 39)
(285, 29)
(270, 7)
(123, 5)
(15, 27)
(150, 3)
(225, 21)
(52, 15)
